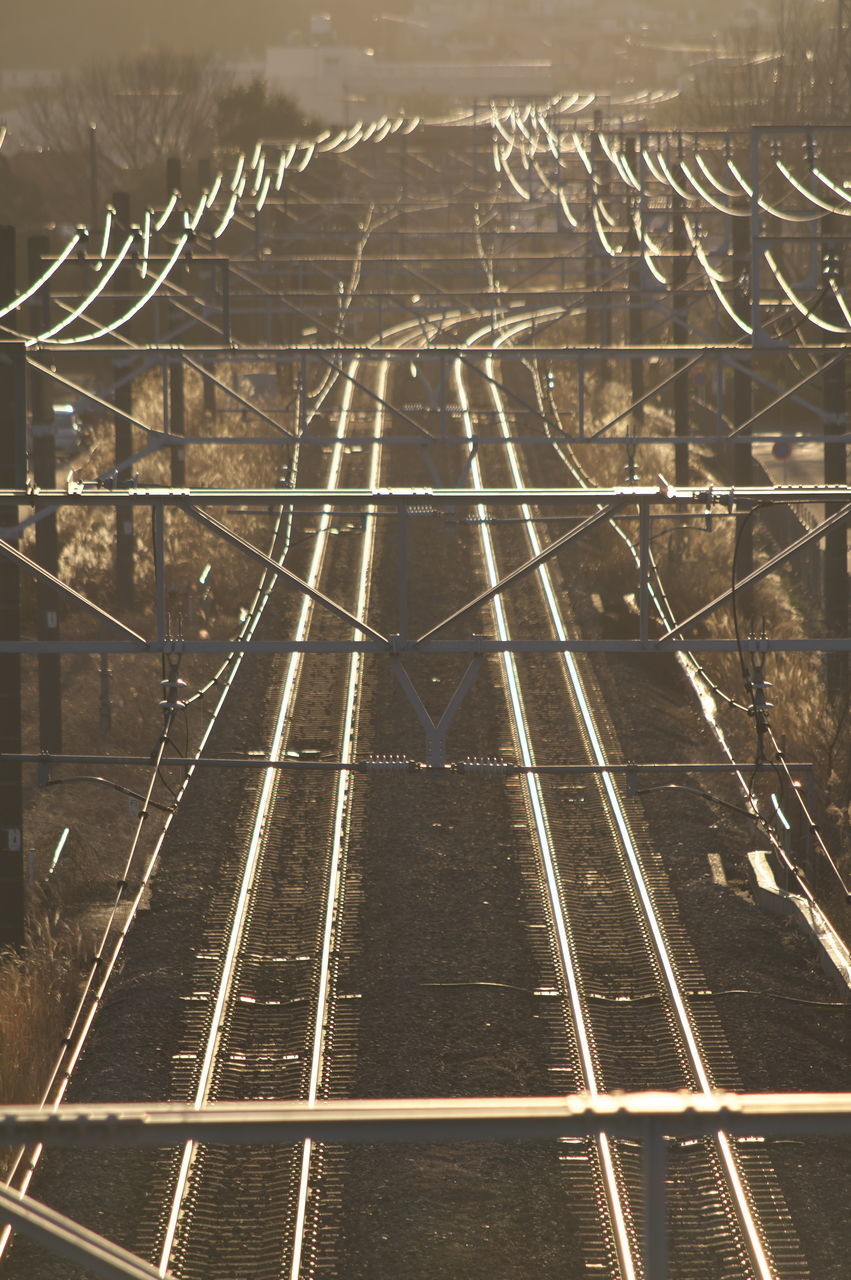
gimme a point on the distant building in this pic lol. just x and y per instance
(339, 84)
(448, 52)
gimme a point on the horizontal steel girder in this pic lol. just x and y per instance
(655, 495)
(473, 645)
(628, 1115)
(436, 350)
(45, 761)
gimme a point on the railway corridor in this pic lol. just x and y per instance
(394, 911)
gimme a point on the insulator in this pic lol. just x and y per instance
(385, 763)
(483, 764)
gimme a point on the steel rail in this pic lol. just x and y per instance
(568, 963)
(751, 1233)
(331, 921)
(82, 1019)
(250, 866)
(74, 1042)
(252, 856)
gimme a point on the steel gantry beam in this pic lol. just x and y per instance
(636, 505)
(620, 212)
(623, 1115)
(658, 1121)
(716, 361)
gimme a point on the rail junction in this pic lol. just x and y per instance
(411, 857)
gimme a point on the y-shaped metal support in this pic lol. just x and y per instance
(435, 756)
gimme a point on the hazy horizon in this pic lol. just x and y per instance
(56, 33)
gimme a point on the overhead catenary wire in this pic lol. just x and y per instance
(76, 240)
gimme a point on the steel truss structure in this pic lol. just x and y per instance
(715, 263)
(637, 505)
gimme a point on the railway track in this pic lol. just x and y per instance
(267, 968)
(268, 964)
(628, 969)
(362, 901)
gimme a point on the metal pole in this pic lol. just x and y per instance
(592, 272)
(160, 573)
(403, 572)
(12, 474)
(655, 1203)
(835, 472)
(172, 176)
(205, 173)
(177, 422)
(46, 534)
(754, 251)
(209, 389)
(121, 205)
(644, 570)
(123, 399)
(226, 302)
(105, 698)
(742, 396)
(93, 176)
(124, 535)
(636, 294)
(679, 336)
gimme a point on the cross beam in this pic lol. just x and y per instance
(712, 497)
(72, 1241)
(622, 1115)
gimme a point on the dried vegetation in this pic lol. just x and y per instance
(66, 910)
(695, 566)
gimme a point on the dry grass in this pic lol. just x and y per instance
(695, 566)
(37, 991)
(38, 986)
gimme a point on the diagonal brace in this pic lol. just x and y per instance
(290, 306)
(787, 395)
(648, 395)
(90, 395)
(287, 574)
(72, 1241)
(246, 404)
(512, 395)
(770, 565)
(436, 733)
(42, 575)
(605, 513)
(361, 386)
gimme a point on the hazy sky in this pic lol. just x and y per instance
(53, 32)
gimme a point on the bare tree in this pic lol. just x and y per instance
(145, 107)
(787, 71)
